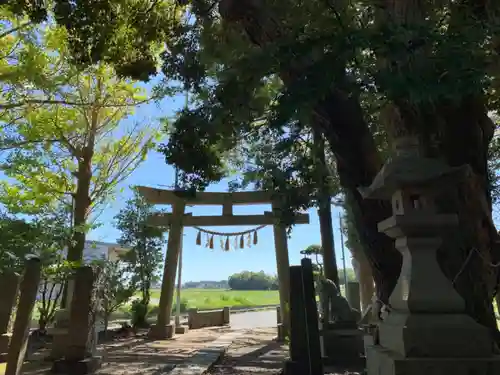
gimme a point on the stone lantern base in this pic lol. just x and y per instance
(383, 361)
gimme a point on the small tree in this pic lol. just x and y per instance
(52, 233)
(145, 254)
(115, 288)
(50, 289)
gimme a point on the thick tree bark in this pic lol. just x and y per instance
(467, 131)
(81, 210)
(82, 201)
(330, 268)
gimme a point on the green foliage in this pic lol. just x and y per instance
(351, 275)
(44, 236)
(183, 305)
(62, 132)
(114, 288)
(139, 312)
(55, 273)
(314, 251)
(247, 280)
(145, 242)
(126, 33)
(16, 237)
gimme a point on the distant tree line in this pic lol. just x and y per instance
(247, 280)
(206, 284)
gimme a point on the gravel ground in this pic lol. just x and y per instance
(137, 355)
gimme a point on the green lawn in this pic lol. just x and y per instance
(218, 298)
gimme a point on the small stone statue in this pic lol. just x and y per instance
(335, 308)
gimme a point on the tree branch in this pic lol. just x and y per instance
(13, 30)
(64, 102)
(11, 145)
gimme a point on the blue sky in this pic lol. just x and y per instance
(200, 263)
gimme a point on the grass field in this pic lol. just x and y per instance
(218, 298)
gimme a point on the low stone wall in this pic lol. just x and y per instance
(212, 318)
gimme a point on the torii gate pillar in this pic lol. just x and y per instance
(283, 267)
(163, 329)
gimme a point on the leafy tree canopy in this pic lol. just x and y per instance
(45, 236)
(58, 117)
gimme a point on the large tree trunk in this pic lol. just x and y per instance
(81, 210)
(467, 255)
(81, 206)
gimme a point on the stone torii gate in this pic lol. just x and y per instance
(178, 219)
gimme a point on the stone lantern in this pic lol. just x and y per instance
(427, 327)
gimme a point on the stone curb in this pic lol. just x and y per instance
(205, 358)
(256, 308)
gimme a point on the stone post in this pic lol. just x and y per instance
(78, 354)
(59, 332)
(305, 347)
(426, 329)
(226, 315)
(283, 266)
(20, 334)
(163, 329)
(10, 286)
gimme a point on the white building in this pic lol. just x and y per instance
(93, 250)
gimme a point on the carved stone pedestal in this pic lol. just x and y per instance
(59, 342)
(59, 334)
(163, 332)
(342, 346)
(385, 362)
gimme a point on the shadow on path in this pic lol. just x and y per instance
(255, 353)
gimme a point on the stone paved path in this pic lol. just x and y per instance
(253, 353)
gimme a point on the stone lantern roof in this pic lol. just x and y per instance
(408, 168)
